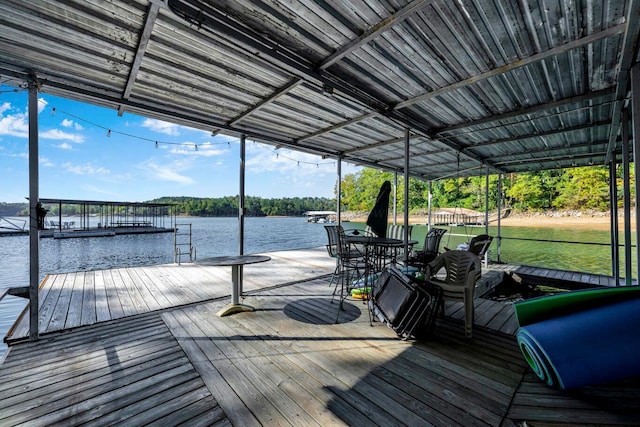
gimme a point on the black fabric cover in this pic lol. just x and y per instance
(379, 216)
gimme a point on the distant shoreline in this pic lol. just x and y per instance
(572, 220)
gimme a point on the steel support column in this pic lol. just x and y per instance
(241, 198)
(339, 190)
(626, 197)
(407, 133)
(395, 197)
(635, 109)
(486, 203)
(613, 216)
(34, 196)
(498, 236)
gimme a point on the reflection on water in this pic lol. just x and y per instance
(219, 236)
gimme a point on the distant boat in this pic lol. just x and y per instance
(320, 217)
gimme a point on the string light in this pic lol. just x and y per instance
(157, 143)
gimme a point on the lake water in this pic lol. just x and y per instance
(219, 236)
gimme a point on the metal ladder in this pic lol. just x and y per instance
(182, 243)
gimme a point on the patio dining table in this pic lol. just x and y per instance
(236, 262)
(377, 250)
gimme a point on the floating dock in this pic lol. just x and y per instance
(143, 345)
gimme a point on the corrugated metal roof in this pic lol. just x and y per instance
(508, 85)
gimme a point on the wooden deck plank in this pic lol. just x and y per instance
(89, 316)
(113, 300)
(504, 321)
(74, 311)
(485, 313)
(203, 353)
(102, 305)
(258, 370)
(135, 369)
(154, 296)
(322, 354)
(136, 296)
(59, 314)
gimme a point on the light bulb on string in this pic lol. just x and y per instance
(108, 133)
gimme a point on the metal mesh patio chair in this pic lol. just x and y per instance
(350, 261)
(430, 249)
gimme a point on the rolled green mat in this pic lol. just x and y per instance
(548, 307)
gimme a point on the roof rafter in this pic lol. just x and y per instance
(626, 59)
(516, 64)
(152, 15)
(536, 135)
(529, 110)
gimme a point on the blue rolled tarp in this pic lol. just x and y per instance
(587, 343)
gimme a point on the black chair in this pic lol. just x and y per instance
(350, 261)
(430, 249)
(479, 245)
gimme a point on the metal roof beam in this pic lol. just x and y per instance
(374, 31)
(291, 85)
(629, 49)
(546, 151)
(529, 110)
(152, 15)
(516, 64)
(338, 126)
(536, 135)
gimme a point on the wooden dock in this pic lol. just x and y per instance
(163, 357)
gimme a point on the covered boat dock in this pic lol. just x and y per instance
(424, 88)
(66, 218)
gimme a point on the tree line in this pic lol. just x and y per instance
(565, 189)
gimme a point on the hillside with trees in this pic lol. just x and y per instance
(567, 189)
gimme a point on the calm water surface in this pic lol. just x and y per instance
(219, 236)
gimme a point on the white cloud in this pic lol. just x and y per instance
(262, 158)
(57, 134)
(161, 127)
(67, 123)
(42, 104)
(204, 150)
(65, 146)
(13, 124)
(45, 162)
(167, 172)
(86, 169)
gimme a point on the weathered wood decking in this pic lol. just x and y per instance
(74, 299)
(287, 363)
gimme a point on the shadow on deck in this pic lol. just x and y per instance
(288, 363)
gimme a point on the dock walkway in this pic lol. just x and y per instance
(163, 357)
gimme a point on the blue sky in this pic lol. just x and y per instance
(80, 158)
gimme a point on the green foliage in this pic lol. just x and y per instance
(584, 188)
(577, 188)
(254, 206)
